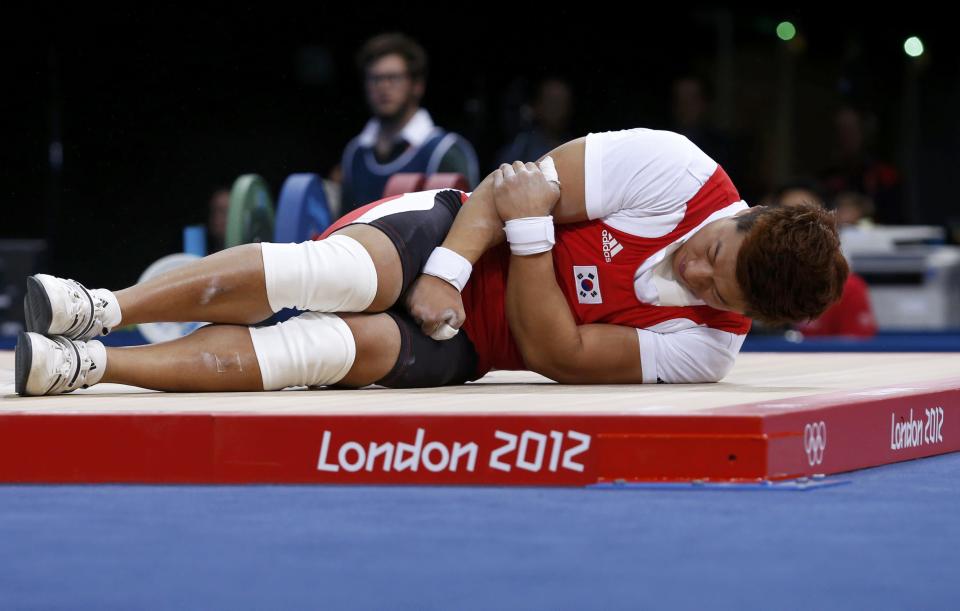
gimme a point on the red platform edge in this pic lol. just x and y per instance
(821, 434)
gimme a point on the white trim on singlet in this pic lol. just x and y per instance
(680, 351)
(640, 180)
(408, 202)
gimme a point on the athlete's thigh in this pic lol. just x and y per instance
(400, 232)
(378, 342)
(393, 352)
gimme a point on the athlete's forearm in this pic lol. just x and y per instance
(477, 227)
(539, 317)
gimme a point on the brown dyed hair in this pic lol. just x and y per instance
(394, 43)
(790, 267)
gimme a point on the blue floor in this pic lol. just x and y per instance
(888, 540)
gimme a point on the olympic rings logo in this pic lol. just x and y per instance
(815, 442)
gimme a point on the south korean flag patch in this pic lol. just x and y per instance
(587, 283)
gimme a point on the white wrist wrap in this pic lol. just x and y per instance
(448, 265)
(531, 235)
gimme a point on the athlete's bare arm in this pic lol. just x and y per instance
(542, 324)
(479, 228)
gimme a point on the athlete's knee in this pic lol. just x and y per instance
(312, 349)
(386, 259)
(336, 274)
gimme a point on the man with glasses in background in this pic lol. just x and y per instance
(401, 136)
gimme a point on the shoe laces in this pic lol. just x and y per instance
(80, 307)
(69, 365)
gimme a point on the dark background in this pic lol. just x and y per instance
(156, 107)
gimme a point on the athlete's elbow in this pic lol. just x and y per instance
(562, 376)
(543, 363)
(559, 374)
(557, 361)
(564, 367)
(538, 363)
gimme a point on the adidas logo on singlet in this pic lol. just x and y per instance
(610, 246)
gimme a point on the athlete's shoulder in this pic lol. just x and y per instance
(643, 173)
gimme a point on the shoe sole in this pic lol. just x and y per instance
(37, 309)
(23, 362)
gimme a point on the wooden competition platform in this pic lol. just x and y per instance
(775, 417)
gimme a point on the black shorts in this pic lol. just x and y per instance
(417, 223)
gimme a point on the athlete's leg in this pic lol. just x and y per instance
(395, 237)
(224, 358)
(227, 286)
(377, 256)
(231, 287)
(351, 350)
(359, 268)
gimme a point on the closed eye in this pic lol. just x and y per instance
(716, 253)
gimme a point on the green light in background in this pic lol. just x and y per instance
(913, 46)
(786, 30)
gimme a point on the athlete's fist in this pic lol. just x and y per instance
(522, 190)
(433, 303)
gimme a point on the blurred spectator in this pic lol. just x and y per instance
(852, 315)
(548, 123)
(691, 117)
(853, 208)
(401, 136)
(218, 206)
(854, 168)
(802, 190)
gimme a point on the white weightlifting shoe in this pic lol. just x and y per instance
(56, 365)
(58, 306)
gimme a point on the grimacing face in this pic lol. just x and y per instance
(706, 265)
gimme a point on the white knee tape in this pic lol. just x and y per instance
(331, 275)
(310, 350)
